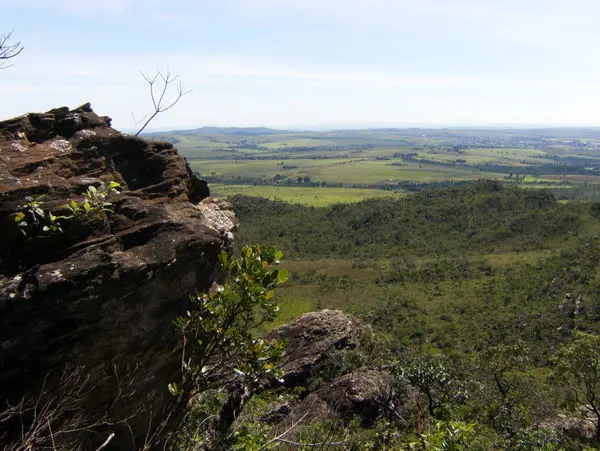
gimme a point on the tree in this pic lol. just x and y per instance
(436, 380)
(159, 84)
(8, 50)
(505, 364)
(577, 366)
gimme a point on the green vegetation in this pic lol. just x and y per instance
(221, 357)
(312, 196)
(436, 268)
(577, 365)
(482, 295)
(394, 159)
(32, 220)
(473, 292)
(95, 203)
(485, 216)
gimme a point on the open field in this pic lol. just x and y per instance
(516, 157)
(353, 171)
(397, 159)
(312, 196)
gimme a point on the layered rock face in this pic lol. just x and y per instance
(92, 305)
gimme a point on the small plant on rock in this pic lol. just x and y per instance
(96, 202)
(32, 217)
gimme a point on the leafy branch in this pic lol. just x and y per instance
(220, 348)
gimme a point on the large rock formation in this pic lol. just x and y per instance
(93, 305)
(363, 392)
(580, 425)
(310, 338)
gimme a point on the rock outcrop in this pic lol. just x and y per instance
(580, 425)
(364, 393)
(310, 338)
(97, 299)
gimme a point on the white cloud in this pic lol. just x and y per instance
(543, 23)
(237, 90)
(103, 7)
(544, 70)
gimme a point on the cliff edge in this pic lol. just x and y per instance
(86, 310)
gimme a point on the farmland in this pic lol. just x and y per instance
(312, 196)
(392, 160)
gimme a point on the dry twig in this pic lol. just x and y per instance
(8, 50)
(157, 94)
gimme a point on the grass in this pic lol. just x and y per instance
(352, 286)
(477, 156)
(347, 171)
(312, 196)
(435, 308)
(374, 158)
(293, 302)
(384, 172)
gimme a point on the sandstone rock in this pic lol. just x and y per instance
(580, 425)
(310, 337)
(101, 296)
(364, 393)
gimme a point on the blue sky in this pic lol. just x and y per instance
(311, 63)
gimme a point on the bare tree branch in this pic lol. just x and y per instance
(8, 50)
(159, 84)
(105, 444)
(291, 428)
(55, 418)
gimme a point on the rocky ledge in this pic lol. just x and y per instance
(310, 338)
(88, 306)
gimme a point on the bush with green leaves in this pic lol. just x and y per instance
(221, 350)
(436, 381)
(447, 436)
(219, 329)
(577, 367)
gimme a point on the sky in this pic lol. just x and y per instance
(310, 63)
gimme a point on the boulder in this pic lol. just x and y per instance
(580, 425)
(310, 338)
(98, 298)
(364, 393)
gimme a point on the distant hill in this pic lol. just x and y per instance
(506, 133)
(241, 131)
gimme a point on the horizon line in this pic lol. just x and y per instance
(324, 128)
